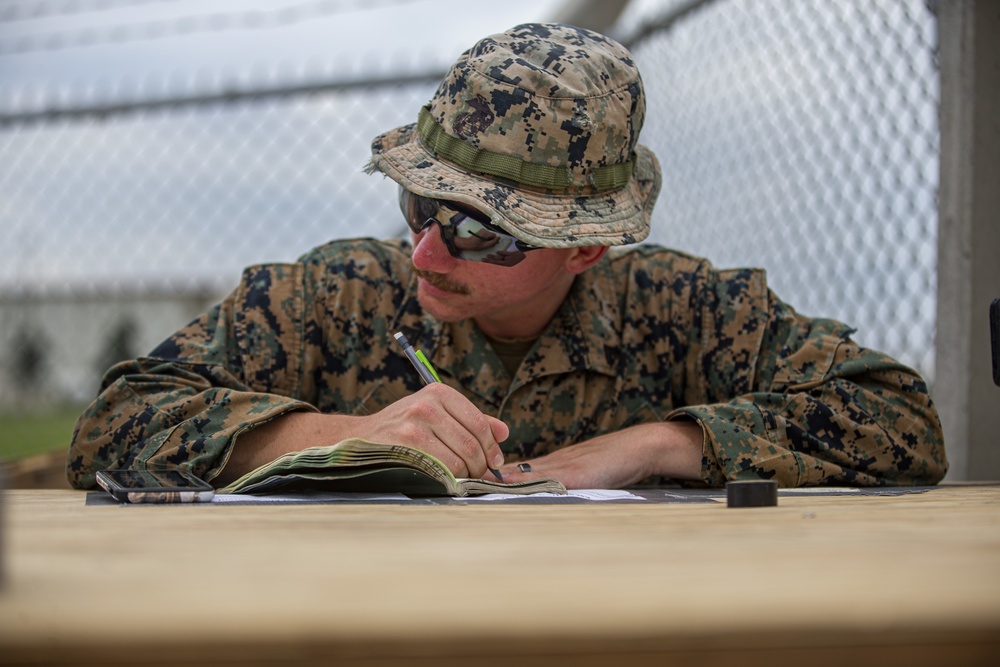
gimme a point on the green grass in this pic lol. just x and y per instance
(36, 432)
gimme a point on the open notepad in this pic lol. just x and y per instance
(357, 465)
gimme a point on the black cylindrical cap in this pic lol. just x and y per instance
(752, 493)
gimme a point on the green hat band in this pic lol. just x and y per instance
(510, 167)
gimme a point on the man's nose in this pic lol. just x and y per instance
(430, 252)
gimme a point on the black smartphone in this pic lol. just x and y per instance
(155, 486)
(995, 339)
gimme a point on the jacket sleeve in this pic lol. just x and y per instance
(794, 399)
(236, 366)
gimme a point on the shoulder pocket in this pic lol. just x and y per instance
(810, 363)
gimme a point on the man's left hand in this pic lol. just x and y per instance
(617, 460)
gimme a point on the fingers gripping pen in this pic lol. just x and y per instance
(427, 372)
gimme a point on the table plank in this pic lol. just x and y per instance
(912, 577)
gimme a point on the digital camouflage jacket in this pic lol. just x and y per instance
(647, 334)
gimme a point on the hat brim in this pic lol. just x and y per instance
(542, 218)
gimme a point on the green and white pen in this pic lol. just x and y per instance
(427, 372)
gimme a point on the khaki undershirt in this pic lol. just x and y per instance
(511, 351)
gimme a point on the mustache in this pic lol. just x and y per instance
(441, 282)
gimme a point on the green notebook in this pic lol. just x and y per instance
(357, 465)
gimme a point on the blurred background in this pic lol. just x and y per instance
(150, 149)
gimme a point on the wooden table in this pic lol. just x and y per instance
(905, 580)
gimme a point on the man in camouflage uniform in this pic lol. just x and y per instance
(599, 366)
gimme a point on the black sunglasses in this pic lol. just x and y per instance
(466, 233)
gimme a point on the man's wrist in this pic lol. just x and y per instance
(287, 432)
(677, 449)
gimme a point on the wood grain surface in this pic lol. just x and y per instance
(908, 580)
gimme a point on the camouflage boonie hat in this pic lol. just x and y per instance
(538, 127)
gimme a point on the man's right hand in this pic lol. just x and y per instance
(442, 422)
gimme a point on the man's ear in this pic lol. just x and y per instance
(584, 257)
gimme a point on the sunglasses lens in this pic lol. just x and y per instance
(476, 242)
(416, 210)
(465, 237)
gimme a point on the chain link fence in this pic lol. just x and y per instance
(797, 136)
(802, 137)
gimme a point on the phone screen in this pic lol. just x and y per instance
(155, 479)
(155, 486)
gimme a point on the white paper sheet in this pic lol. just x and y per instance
(585, 494)
(327, 497)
